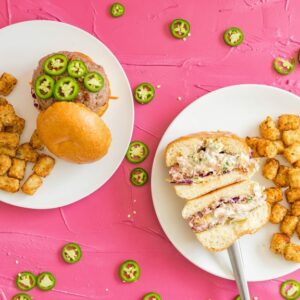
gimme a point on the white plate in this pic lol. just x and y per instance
(238, 109)
(22, 45)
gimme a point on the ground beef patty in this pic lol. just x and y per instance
(95, 101)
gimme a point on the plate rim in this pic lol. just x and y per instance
(156, 158)
(132, 114)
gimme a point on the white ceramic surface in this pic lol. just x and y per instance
(238, 109)
(22, 45)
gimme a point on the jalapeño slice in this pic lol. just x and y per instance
(21, 296)
(233, 36)
(77, 68)
(46, 281)
(55, 64)
(44, 86)
(117, 10)
(144, 93)
(129, 271)
(137, 152)
(290, 289)
(66, 89)
(93, 82)
(152, 296)
(25, 281)
(284, 66)
(180, 28)
(138, 177)
(238, 297)
(71, 253)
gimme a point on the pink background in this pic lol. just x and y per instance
(105, 223)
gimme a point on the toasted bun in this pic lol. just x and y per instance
(243, 188)
(186, 145)
(73, 132)
(222, 237)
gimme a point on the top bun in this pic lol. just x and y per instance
(73, 132)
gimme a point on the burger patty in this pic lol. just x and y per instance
(94, 101)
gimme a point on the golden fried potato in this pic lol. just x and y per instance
(274, 194)
(279, 242)
(296, 209)
(32, 184)
(9, 140)
(44, 165)
(26, 152)
(270, 168)
(18, 126)
(5, 163)
(3, 101)
(288, 122)
(290, 137)
(294, 178)
(281, 178)
(292, 252)
(7, 115)
(292, 195)
(17, 169)
(35, 141)
(8, 184)
(266, 148)
(288, 225)
(292, 153)
(8, 151)
(278, 212)
(268, 129)
(252, 143)
(298, 230)
(7, 84)
(279, 145)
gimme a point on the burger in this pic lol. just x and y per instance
(72, 92)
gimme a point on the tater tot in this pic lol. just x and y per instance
(9, 140)
(288, 225)
(35, 141)
(5, 163)
(292, 195)
(270, 168)
(279, 242)
(44, 165)
(18, 127)
(294, 178)
(292, 153)
(266, 148)
(26, 152)
(279, 145)
(8, 184)
(288, 122)
(281, 178)
(298, 230)
(268, 129)
(17, 170)
(292, 252)
(7, 115)
(252, 143)
(274, 194)
(32, 184)
(8, 151)
(7, 84)
(290, 137)
(296, 209)
(278, 212)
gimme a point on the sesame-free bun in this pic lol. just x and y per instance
(73, 132)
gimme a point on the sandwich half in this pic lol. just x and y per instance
(221, 217)
(205, 161)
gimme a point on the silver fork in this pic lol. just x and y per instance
(236, 260)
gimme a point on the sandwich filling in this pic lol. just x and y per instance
(227, 209)
(208, 158)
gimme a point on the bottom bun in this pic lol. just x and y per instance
(73, 132)
(222, 237)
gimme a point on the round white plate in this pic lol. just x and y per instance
(22, 45)
(238, 109)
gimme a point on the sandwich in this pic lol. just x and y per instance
(221, 217)
(205, 161)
